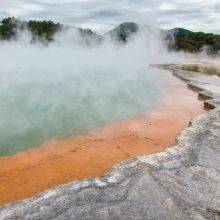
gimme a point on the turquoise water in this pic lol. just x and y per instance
(55, 106)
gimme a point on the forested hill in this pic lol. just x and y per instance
(185, 40)
(177, 39)
(43, 31)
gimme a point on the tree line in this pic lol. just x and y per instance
(184, 40)
(40, 29)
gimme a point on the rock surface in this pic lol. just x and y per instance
(182, 182)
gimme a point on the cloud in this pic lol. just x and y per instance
(102, 15)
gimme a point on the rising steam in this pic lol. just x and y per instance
(67, 87)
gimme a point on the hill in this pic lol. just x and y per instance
(184, 40)
(178, 31)
(177, 39)
(123, 32)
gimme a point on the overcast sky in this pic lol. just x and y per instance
(102, 15)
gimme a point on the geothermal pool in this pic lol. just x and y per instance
(169, 105)
(40, 104)
(70, 111)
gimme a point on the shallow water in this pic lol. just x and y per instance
(54, 106)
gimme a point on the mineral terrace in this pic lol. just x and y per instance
(181, 183)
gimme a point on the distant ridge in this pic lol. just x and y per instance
(179, 31)
(178, 39)
(123, 31)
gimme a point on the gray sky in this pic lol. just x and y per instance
(102, 15)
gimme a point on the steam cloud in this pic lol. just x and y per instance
(67, 87)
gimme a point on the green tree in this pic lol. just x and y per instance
(43, 29)
(7, 28)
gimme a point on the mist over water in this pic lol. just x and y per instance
(67, 88)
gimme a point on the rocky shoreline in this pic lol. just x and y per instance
(182, 182)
